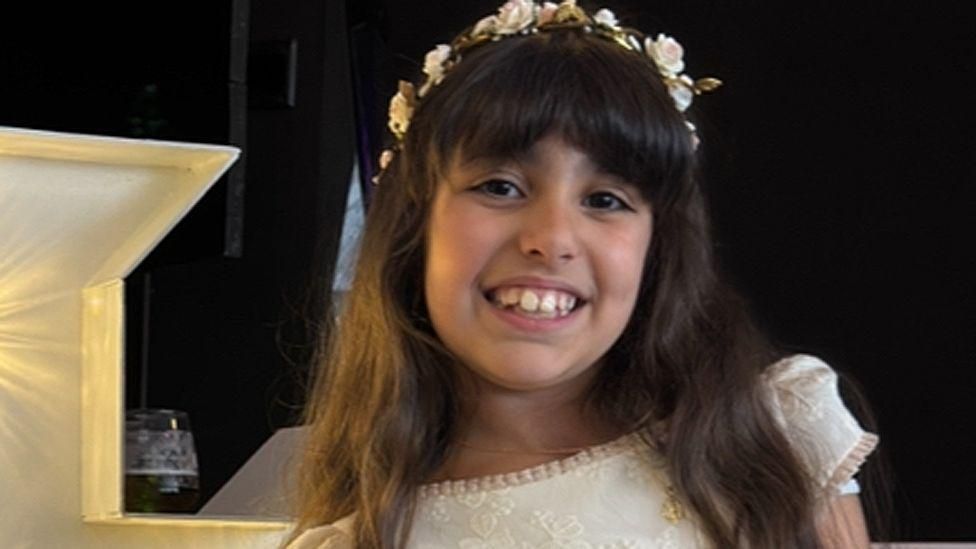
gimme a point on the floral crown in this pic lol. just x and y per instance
(524, 17)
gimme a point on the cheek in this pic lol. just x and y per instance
(626, 256)
(462, 237)
(438, 269)
(444, 248)
(454, 256)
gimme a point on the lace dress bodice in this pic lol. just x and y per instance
(615, 496)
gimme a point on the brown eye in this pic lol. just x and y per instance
(500, 188)
(605, 201)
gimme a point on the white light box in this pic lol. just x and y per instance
(77, 214)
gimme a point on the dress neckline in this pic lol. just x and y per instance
(536, 473)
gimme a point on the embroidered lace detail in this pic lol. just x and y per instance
(560, 529)
(575, 463)
(611, 496)
(807, 404)
(852, 462)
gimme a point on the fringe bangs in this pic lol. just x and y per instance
(601, 98)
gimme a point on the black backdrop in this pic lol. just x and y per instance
(839, 157)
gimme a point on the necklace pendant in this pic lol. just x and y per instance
(671, 509)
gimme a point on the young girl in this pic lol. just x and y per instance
(536, 350)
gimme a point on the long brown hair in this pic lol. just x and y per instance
(382, 411)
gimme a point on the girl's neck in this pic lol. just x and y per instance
(507, 430)
(530, 422)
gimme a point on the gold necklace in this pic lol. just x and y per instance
(672, 510)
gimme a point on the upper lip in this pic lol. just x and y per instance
(537, 282)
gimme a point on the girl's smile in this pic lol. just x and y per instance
(534, 265)
(535, 304)
(545, 302)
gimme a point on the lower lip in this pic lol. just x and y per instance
(533, 324)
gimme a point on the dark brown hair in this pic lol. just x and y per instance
(382, 411)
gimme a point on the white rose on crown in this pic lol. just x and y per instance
(486, 25)
(434, 63)
(667, 53)
(401, 109)
(606, 18)
(514, 16)
(681, 90)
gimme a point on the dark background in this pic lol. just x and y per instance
(839, 156)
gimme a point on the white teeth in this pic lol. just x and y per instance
(529, 301)
(541, 303)
(510, 296)
(548, 303)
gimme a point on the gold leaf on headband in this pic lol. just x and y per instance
(707, 84)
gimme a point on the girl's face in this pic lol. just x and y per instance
(534, 264)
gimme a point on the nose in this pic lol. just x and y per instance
(549, 233)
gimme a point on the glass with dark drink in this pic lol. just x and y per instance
(161, 474)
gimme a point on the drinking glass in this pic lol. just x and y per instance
(161, 474)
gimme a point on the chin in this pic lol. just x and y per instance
(536, 375)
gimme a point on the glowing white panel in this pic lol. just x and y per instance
(77, 214)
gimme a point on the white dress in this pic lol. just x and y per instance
(613, 496)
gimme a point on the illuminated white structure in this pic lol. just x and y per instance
(77, 214)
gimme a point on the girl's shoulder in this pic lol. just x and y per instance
(805, 400)
(337, 535)
(800, 385)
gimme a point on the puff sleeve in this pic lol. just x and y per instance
(826, 437)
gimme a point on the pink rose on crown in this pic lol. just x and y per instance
(546, 13)
(514, 16)
(667, 53)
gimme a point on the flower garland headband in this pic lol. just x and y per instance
(523, 17)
